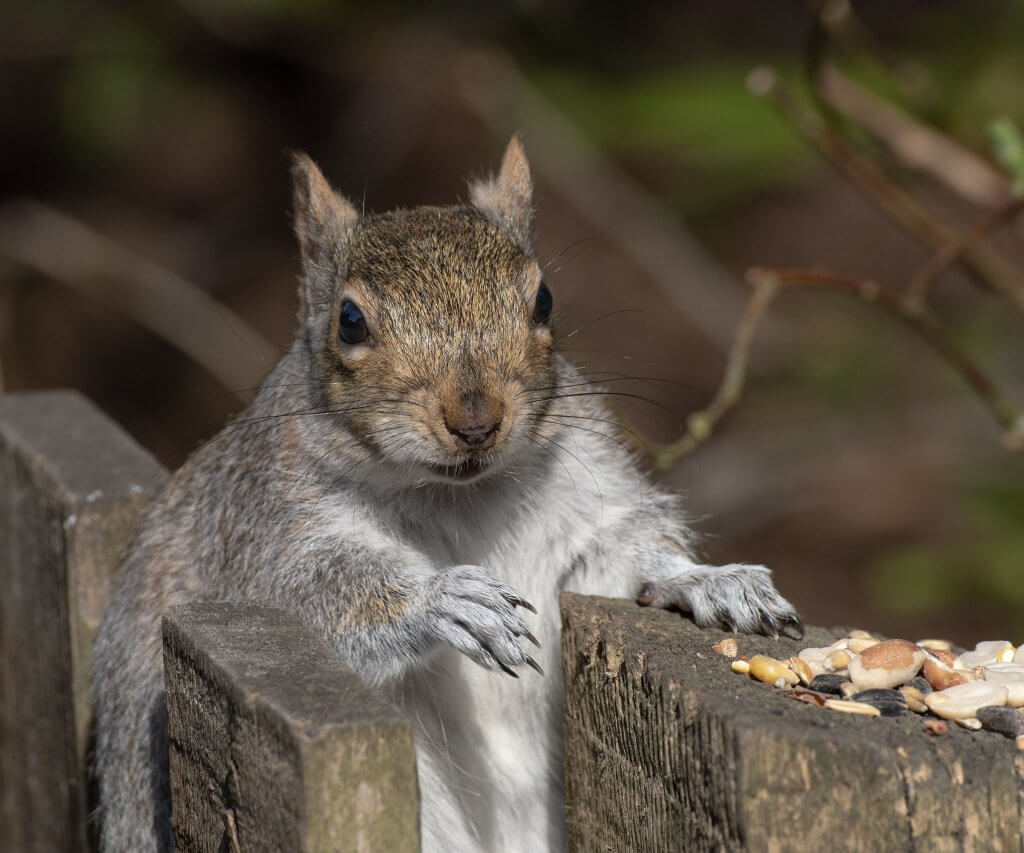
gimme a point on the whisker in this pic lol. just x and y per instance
(586, 468)
(553, 455)
(611, 438)
(616, 377)
(598, 393)
(583, 240)
(604, 317)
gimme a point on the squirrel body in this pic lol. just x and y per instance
(419, 467)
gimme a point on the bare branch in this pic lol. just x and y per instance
(942, 260)
(984, 264)
(918, 317)
(700, 425)
(840, 20)
(914, 143)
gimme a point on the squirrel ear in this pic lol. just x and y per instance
(507, 198)
(323, 224)
(323, 218)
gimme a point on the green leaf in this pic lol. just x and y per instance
(1008, 145)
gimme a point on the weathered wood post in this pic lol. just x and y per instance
(668, 750)
(70, 487)
(276, 745)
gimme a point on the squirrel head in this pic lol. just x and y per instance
(429, 329)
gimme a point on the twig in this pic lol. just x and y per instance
(942, 260)
(700, 425)
(861, 171)
(919, 318)
(56, 245)
(840, 20)
(914, 143)
(985, 265)
(766, 283)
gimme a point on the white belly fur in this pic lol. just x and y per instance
(489, 746)
(489, 750)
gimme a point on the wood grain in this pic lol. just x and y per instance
(667, 749)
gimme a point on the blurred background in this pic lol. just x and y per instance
(146, 257)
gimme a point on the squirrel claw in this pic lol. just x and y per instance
(769, 627)
(534, 664)
(508, 670)
(522, 602)
(794, 625)
(532, 638)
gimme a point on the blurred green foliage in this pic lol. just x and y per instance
(848, 374)
(696, 122)
(671, 106)
(111, 89)
(1009, 149)
(984, 564)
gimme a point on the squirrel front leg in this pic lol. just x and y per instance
(650, 551)
(389, 611)
(738, 596)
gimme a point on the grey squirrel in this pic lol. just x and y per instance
(419, 472)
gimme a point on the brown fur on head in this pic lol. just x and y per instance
(448, 384)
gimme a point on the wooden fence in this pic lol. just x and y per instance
(668, 750)
(70, 483)
(276, 745)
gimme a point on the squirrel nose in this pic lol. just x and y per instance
(475, 436)
(474, 420)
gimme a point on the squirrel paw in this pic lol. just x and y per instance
(739, 597)
(470, 611)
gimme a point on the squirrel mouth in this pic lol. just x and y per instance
(468, 469)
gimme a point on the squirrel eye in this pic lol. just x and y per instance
(352, 324)
(542, 305)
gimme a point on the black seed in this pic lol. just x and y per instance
(998, 718)
(890, 702)
(828, 683)
(920, 683)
